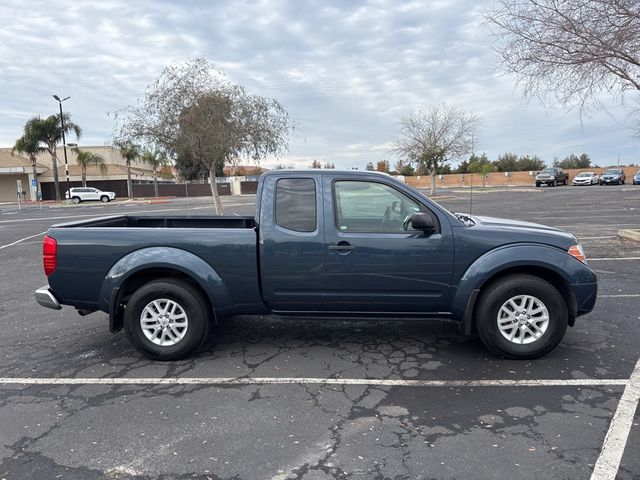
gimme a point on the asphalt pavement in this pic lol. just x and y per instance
(274, 398)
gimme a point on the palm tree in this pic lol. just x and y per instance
(85, 159)
(155, 159)
(49, 132)
(28, 144)
(129, 151)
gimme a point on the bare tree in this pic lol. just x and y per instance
(193, 112)
(436, 136)
(569, 51)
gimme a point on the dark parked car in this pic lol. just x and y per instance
(636, 178)
(611, 176)
(324, 244)
(552, 176)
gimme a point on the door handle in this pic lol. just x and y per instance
(342, 247)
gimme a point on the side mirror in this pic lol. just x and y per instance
(422, 221)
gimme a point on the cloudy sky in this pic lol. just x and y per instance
(346, 71)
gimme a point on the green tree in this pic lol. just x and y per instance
(48, 132)
(85, 158)
(404, 168)
(29, 144)
(507, 162)
(528, 163)
(483, 168)
(316, 164)
(130, 152)
(434, 137)
(370, 167)
(156, 159)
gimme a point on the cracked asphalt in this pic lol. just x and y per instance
(310, 431)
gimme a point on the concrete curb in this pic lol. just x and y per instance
(631, 234)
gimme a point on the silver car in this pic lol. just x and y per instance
(585, 178)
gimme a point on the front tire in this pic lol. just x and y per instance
(104, 199)
(167, 319)
(521, 316)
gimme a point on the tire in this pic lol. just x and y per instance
(538, 184)
(76, 200)
(104, 199)
(494, 303)
(553, 184)
(147, 304)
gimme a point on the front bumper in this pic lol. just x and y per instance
(45, 297)
(611, 180)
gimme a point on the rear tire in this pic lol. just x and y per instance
(506, 331)
(167, 319)
(76, 200)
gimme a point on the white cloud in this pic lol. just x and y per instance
(346, 71)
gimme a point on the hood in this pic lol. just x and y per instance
(520, 231)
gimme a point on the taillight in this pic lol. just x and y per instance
(577, 252)
(49, 255)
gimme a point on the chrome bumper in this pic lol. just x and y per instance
(45, 298)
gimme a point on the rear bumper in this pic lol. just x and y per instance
(45, 297)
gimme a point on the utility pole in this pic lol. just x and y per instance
(64, 140)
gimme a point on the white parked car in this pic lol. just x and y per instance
(586, 178)
(85, 194)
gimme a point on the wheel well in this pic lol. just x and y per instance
(550, 276)
(140, 278)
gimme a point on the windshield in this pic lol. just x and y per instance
(547, 170)
(585, 174)
(612, 172)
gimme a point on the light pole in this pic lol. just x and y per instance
(64, 140)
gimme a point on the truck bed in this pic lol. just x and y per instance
(88, 250)
(177, 221)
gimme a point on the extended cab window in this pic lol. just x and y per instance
(371, 207)
(296, 204)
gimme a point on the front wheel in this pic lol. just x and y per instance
(104, 199)
(166, 319)
(521, 316)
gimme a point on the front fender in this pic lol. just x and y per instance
(510, 257)
(169, 258)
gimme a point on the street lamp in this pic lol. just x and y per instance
(64, 140)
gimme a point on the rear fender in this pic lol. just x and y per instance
(167, 258)
(514, 258)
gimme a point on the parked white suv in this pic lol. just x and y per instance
(84, 194)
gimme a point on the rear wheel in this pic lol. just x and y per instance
(521, 316)
(76, 200)
(167, 319)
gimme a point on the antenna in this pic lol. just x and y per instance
(473, 153)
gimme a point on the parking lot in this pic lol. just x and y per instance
(272, 398)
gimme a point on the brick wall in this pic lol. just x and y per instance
(497, 179)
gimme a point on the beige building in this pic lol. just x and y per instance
(16, 174)
(17, 168)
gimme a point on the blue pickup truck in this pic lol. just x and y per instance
(326, 244)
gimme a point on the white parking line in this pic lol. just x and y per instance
(579, 382)
(620, 295)
(21, 240)
(612, 258)
(608, 462)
